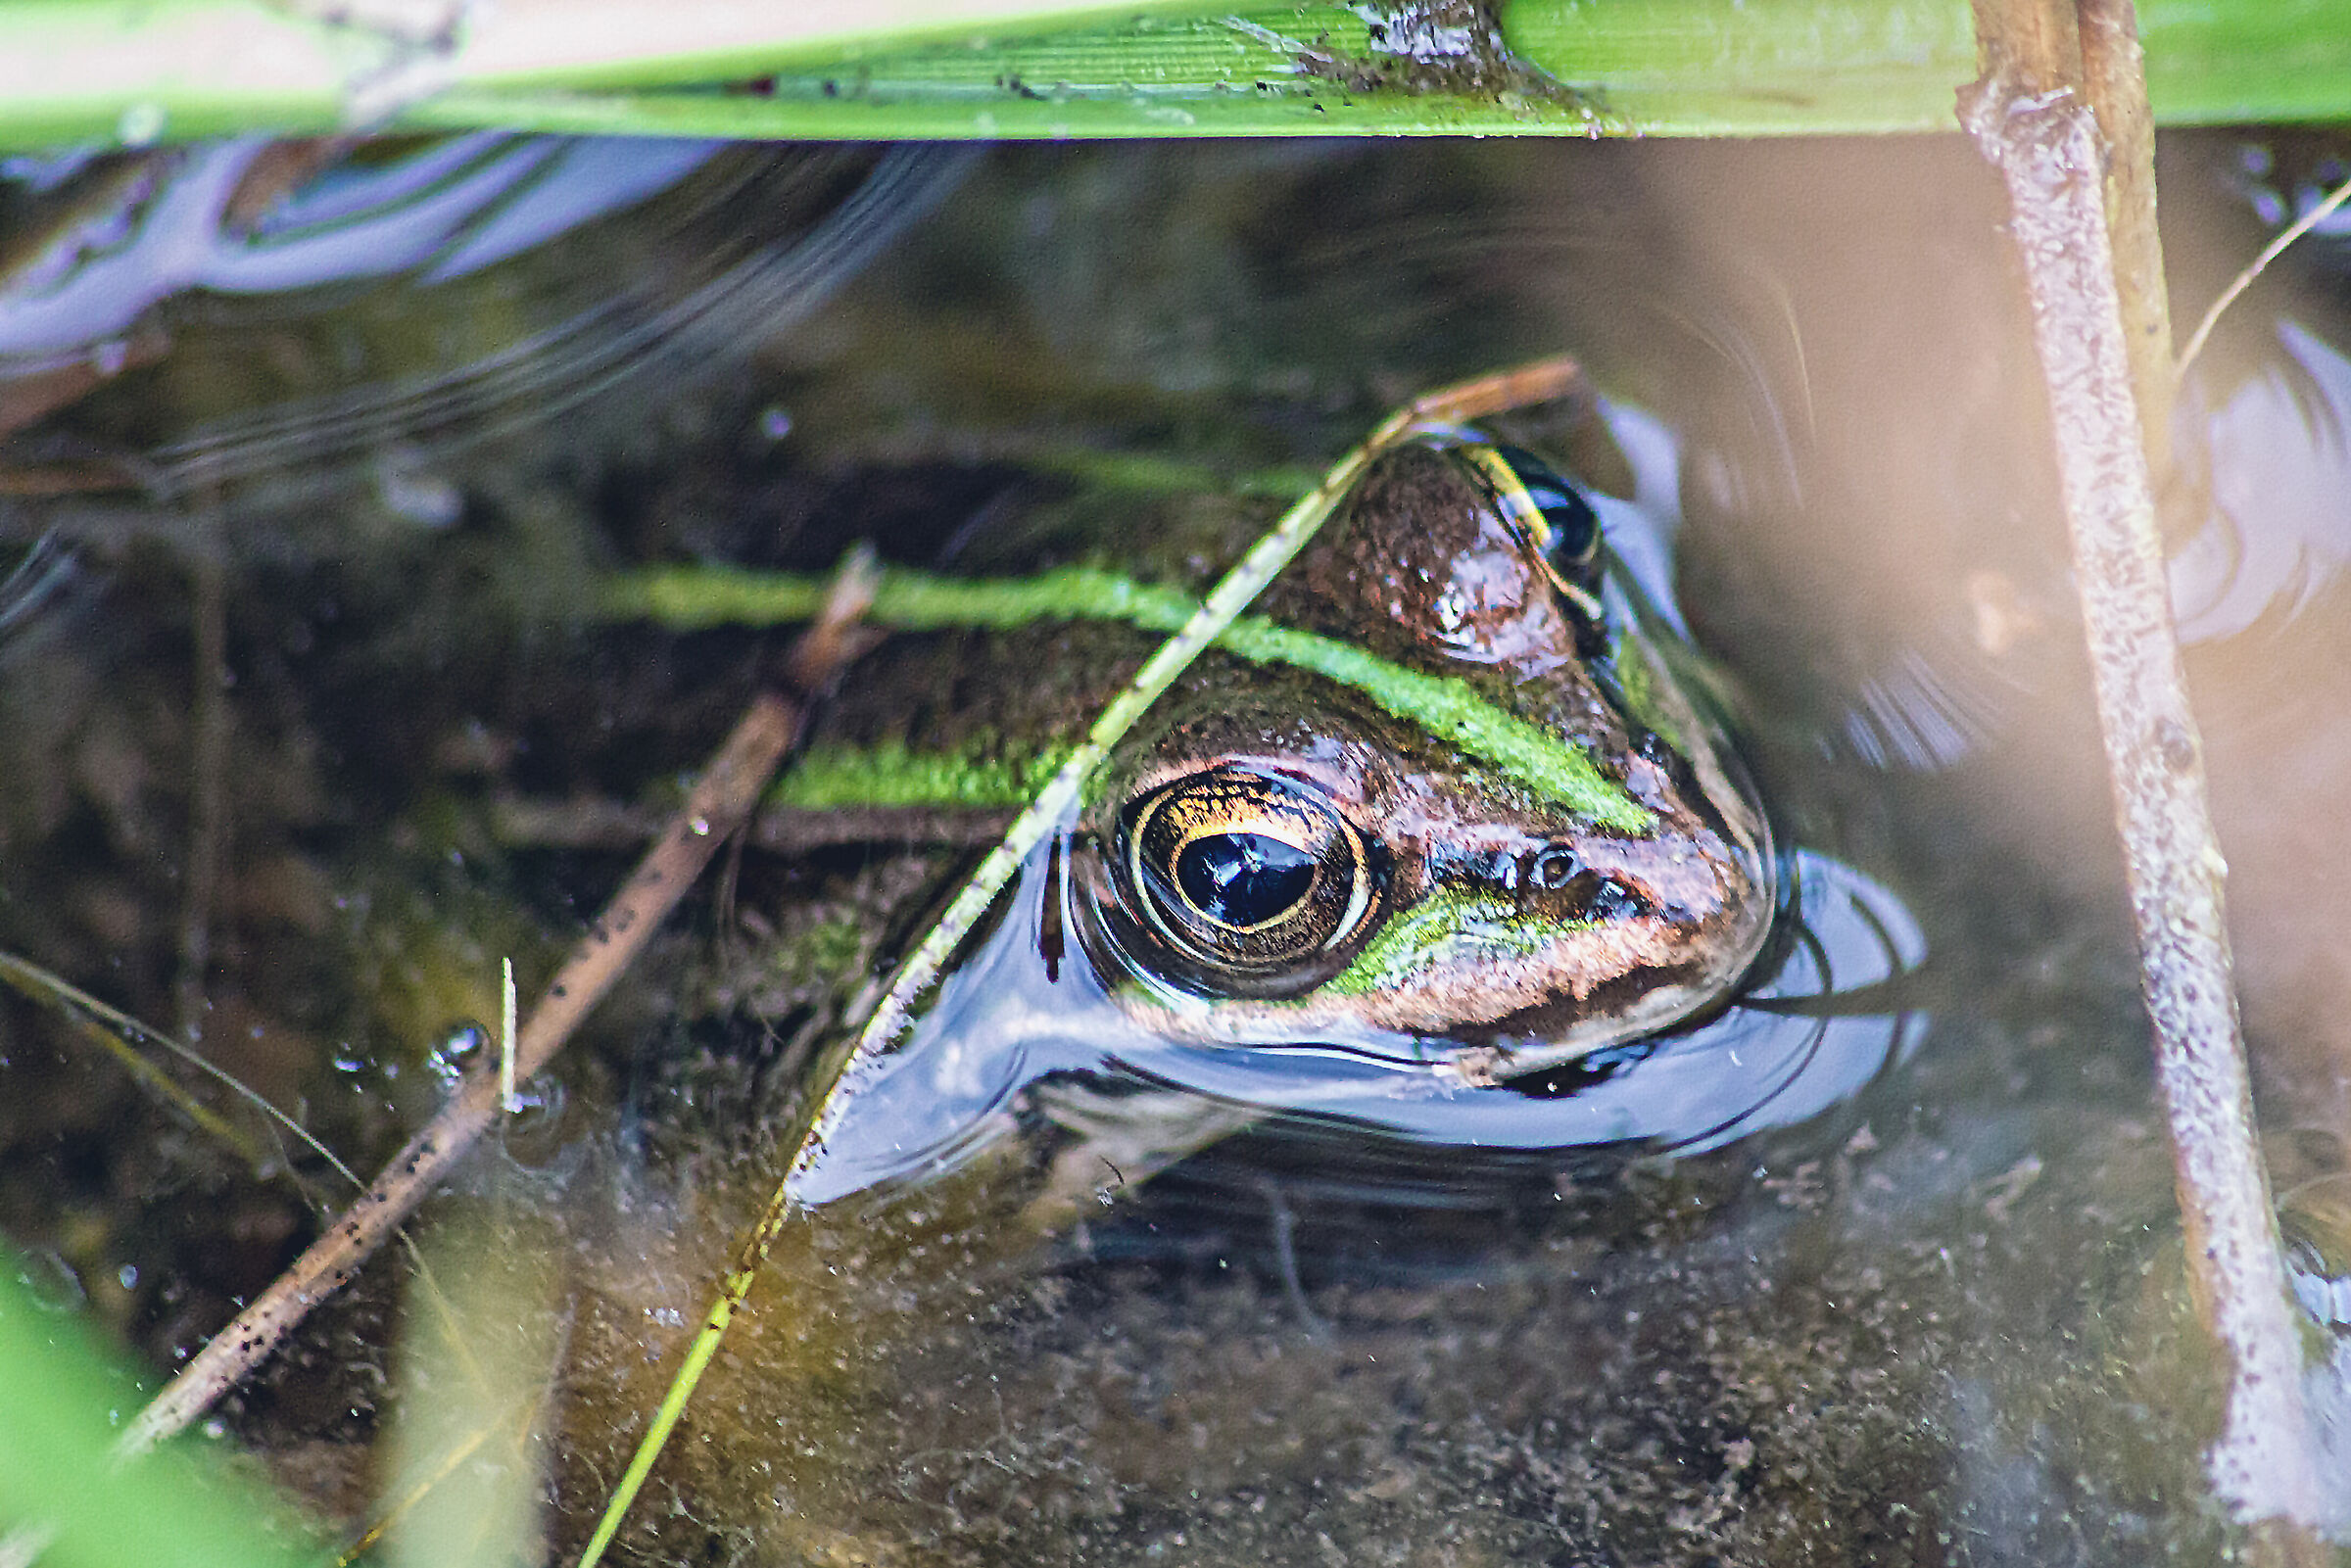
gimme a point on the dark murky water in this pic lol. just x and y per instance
(376, 428)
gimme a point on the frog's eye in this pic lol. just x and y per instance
(1572, 526)
(1246, 871)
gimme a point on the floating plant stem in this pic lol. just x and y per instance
(839, 1073)
(2033, 124)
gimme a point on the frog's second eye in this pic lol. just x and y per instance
(1244, 872)
(1572, 526)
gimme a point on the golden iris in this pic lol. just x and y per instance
(1246, 871)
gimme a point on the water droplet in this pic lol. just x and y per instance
(127, 1276)
(456, 1051)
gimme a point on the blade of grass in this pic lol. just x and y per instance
(130, 72)
(804, 112)
(2319, 214)
(1694, 68)
(139, 71)
(121, 1036)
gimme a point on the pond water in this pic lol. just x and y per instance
(316, 463)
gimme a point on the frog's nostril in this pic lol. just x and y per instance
(1576, 891)
(1555, 869)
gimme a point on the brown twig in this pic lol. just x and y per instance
(2114, 80)
(730, 786)
(2031, 122)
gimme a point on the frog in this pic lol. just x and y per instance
(1442, 838)
(1454, 809)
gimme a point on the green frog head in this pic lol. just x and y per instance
(1448, 784)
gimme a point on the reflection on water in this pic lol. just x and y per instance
(454, 208)
(1819, 1022)
(2279, 449)
(1876, 1264)
(143, 260)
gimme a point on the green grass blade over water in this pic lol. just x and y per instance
(120, 69)
(58, 1477)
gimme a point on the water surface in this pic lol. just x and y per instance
(372, 448)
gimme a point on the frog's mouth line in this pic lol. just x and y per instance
(1644, 974)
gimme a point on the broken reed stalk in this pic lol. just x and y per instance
(721, 799)
(2037, 128)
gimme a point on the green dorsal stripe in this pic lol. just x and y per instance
(688, 599)
(1452, 711)
(830, 776)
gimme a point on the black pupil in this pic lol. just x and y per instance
(1243, 878)
(1575, 524)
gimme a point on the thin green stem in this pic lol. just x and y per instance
(121, 1036)
(2244, 280)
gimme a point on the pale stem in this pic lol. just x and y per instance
(2039, 133)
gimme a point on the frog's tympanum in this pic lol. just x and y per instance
(1472, 801)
